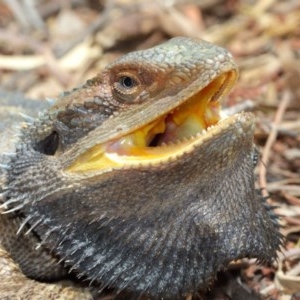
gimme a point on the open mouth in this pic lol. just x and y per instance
(168, 136)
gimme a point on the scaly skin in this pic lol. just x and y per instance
(36, 263)
(94, 182)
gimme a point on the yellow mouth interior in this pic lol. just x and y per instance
(169, 136)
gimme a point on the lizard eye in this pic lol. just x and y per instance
(127, 82)
(127, 88)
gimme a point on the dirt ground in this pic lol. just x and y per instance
(47, 47)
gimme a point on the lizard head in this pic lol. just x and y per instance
(162, 130)
(157, 106)
(138, 181)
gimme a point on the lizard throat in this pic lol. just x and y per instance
(169, 136)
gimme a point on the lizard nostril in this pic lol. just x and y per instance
(49, 145)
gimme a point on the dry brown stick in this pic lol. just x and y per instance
(16, 9)
(36, 21)
(271, 139)
(96, 25)
(20, 41)
(49, 8)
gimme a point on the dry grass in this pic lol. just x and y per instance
(52, 47)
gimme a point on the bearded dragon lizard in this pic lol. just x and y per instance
(136, 180)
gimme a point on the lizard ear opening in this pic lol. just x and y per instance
(49, 145)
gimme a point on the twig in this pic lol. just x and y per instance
(17, 11)
(29, 9)
(295, 189)
(270, 141)
(98, 24)
(247, 105)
